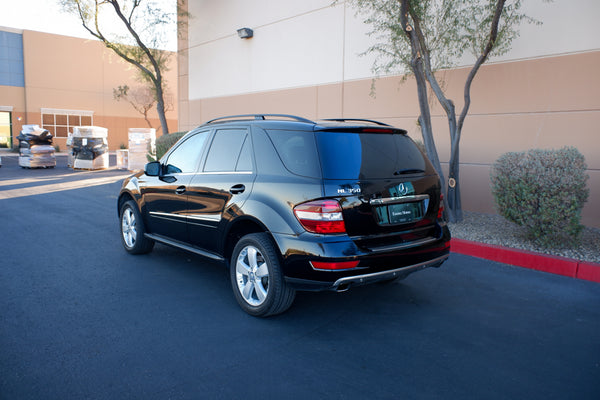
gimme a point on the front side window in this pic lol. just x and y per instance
(186, 156)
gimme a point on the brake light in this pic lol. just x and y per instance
(441, 208)
(334, 265)
(321, 216)
(377, 130)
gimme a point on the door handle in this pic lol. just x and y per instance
(237, 189)
(180, 190)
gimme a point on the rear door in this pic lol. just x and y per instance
(386, 187)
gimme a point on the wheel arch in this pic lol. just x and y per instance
(239, 228)
(123, 197)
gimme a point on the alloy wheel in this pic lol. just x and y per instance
(128, 227)
(252, 275)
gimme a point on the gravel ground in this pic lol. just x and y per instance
(494, 229)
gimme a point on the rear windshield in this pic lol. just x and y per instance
(368, 155)
(345, 155)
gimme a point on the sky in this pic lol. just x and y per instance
(46, 16)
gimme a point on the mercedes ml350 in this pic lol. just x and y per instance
(290, 204)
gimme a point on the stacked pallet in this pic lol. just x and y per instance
(35, 148)
(89, 147)
(122, 159)
(142, 146)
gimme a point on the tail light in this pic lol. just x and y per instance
(441, 208)
(321, 216)
(321, 265)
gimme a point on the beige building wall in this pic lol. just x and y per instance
(544, 101)
(69, 73)
(515, 118)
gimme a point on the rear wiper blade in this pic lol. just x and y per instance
(409, 171)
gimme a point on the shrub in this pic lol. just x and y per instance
(165, 142)
(544, 191)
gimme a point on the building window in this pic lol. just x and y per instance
(11, 59)
(61, 122)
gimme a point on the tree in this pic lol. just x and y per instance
(145, 26)
(142, 99)
(424, 36)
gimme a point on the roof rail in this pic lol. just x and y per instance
(259, 117)
(356, 120)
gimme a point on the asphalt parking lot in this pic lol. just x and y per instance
(82, 319)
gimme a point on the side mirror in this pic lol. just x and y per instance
(152, 168)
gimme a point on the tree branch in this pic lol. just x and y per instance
(446, 103)
(480, 60)
(155, 78)
(98, 34)
(83, 18)
(148, 61)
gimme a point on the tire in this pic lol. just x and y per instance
(133, 229)
(256, 278)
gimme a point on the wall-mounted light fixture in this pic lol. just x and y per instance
(245, 33)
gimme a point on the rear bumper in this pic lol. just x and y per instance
(343, 284)
(383, 264)
(403, 272)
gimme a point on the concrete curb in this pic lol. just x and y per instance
(528, 259)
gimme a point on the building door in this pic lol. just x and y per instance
(5, 130)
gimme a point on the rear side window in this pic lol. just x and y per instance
(229, 150)
(367, 155)
(244, 162)
(298, 151)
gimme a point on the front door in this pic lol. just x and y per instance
(166, 196)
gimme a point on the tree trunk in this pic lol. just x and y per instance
(454, 200)
(426, 126)
(160, 108)
(421, 62)
(419, 70)
(453, 191)
(160, 101)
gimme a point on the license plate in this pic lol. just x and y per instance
(400, 213)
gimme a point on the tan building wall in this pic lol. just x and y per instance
(76, 74)
(304, 60)
(541, 103)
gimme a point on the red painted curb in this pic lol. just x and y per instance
(528, 259)
(589, 271)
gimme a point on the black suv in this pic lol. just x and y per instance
(291, 204)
